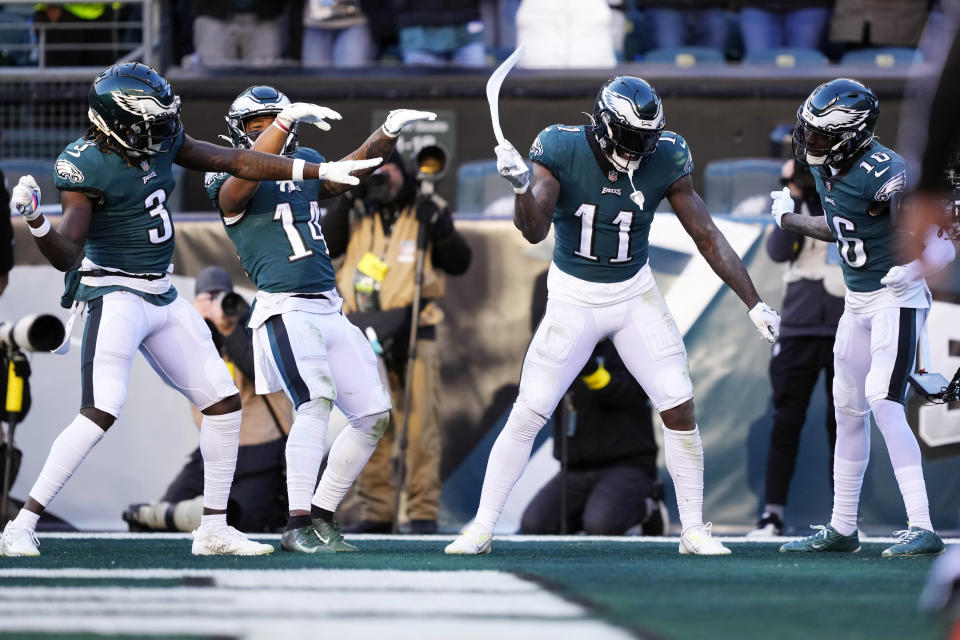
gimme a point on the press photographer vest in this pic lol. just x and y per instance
(398, 252)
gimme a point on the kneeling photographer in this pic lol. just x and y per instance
(257, 495)
(375, 229)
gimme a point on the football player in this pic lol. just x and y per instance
(302, 342)
(599, 186)
(885, 307)
(114, 183)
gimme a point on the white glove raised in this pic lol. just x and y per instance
(782, 203)
(898, 279)
(767, 322)
(399, 118)
(340, 171)
(306, 112)
(25, 198)
(511, 166)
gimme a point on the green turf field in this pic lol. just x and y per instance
(584, 588)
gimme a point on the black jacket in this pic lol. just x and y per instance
(6, 230)
(613, 425)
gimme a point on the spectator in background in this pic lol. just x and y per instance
(678, 23)
(6, 238)
(771, 24)
(237, 32)
(870, 23)
(440, 32)
(563, 34)
(611, 457)
(257, 495)
(376, 281)
(811, 310)
(81, 46)
(335, 34)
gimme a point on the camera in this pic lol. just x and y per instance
(36, 332)
(934, 388)
(232, 304)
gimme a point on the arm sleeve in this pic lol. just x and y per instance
(239, 347)
(943, 125)
(335, 224)
(938, 252)
(783, 245)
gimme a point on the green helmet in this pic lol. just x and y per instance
(132, 104)
(836, 123)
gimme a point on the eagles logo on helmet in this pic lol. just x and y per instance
(628, 120)
(835, 123)
(253, 102)
(134, 106)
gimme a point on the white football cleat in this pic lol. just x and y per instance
(472, 542)
(18, 541)
(700, 541)
(226, 541)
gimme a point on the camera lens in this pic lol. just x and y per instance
(233, 304)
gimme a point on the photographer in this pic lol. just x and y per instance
(257, 500)
(375, 229)
(812, 306)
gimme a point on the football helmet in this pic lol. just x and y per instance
(628, 120)
(835, 123)
(132, 104)
(253, 102)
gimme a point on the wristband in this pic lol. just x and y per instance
(521, 190)
(298, 164)
(279, 125)
(383, 127)
(42, 230)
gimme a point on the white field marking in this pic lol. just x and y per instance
(120, 535)
(270, 604)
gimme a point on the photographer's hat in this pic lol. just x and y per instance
(213, 279)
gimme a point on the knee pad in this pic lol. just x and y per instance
(673, 386)
(372, 426)
(845, 395)
(318, 408)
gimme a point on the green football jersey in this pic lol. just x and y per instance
(600, 234)
(865, 241)
(278, 236)
(131, 229)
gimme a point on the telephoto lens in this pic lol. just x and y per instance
(233, 304)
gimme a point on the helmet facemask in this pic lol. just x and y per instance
(252, 103)
(626, 131)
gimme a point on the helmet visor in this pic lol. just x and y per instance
(156, 136)
(630, 141)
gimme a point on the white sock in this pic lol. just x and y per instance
(851, 455)
(305, 448)
(26, 520)
(508, 459)
(66, 453)
(774, 509)
(348, 455)
(213, 521)
(905, 456)
(219, 438)
(914, 491)
(683, 453)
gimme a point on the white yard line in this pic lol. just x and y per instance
(270, 604)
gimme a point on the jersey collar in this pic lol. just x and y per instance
(598, 154)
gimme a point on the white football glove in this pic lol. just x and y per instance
(511, 166)
(782, 203)
(340, 171)
(898, 279)
(767, 322)
(399, 118)
(26, 198)
(306, 112)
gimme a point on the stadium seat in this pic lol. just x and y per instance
(685, 56)
(740, 186)
(883, 56)
(787, 57)
(479, 186)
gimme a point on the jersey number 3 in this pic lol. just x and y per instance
(154, 205)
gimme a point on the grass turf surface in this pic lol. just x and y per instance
(645, 586)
